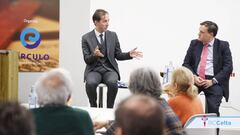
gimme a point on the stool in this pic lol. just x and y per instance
(100, 94)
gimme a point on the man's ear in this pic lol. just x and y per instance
(95, 22)
(212, 34)
(118, 131)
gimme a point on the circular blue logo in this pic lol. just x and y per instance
(36, 38)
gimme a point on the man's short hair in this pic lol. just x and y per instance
(98, 14)
(139, 115)
(54, 87)
(212, 27)
(15, 120)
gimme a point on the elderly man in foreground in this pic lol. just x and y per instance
(54, 117)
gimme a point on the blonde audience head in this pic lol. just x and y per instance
(182, 81)
(54, 87)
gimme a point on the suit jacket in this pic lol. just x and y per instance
(89, 43)
(62, 120)
(222, 61)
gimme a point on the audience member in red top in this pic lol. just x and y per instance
(185, 101)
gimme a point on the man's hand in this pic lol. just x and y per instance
(99, 124)
(97, 52)
(135, 54)
(199, 81)
(207, 84)
(202, 82)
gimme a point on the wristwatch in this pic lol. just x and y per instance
(214, 81)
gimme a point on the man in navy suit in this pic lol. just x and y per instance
(100, 49)
(210, 61)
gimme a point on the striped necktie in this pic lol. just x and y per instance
(101, 38)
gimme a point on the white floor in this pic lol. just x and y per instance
(228, 110)
(229, 132)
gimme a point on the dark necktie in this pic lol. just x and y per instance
(101, 38)
(101, 46)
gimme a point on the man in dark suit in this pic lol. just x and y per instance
(210, 61)
(100, 49)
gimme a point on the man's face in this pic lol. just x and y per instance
(204, 35)
(102, 25)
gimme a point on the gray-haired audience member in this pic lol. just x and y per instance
(15, 120)
(146, 81)
(54, 117)
(54, 87)
(139, 115)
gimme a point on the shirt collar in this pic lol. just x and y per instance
(211, 42)
(98, 33)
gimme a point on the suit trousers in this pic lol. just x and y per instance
(213, 95)
(102, 75)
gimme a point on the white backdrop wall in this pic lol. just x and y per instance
(74, 22)
(163, 29)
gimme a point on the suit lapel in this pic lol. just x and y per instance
(108, 41)
(199, 52)
(215, 53)
(93, 40)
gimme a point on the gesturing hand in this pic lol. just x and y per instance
(99, 124)
(135, 54)
(97, 52)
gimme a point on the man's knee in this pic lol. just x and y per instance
(91, 84)
(111, 83)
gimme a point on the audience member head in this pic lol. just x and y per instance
(15, 120)
(139, 115)
(54, 87)
(145, 81)
(183, 82)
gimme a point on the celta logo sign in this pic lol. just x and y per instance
(35, 39)
(204, 119)
(211, 121)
